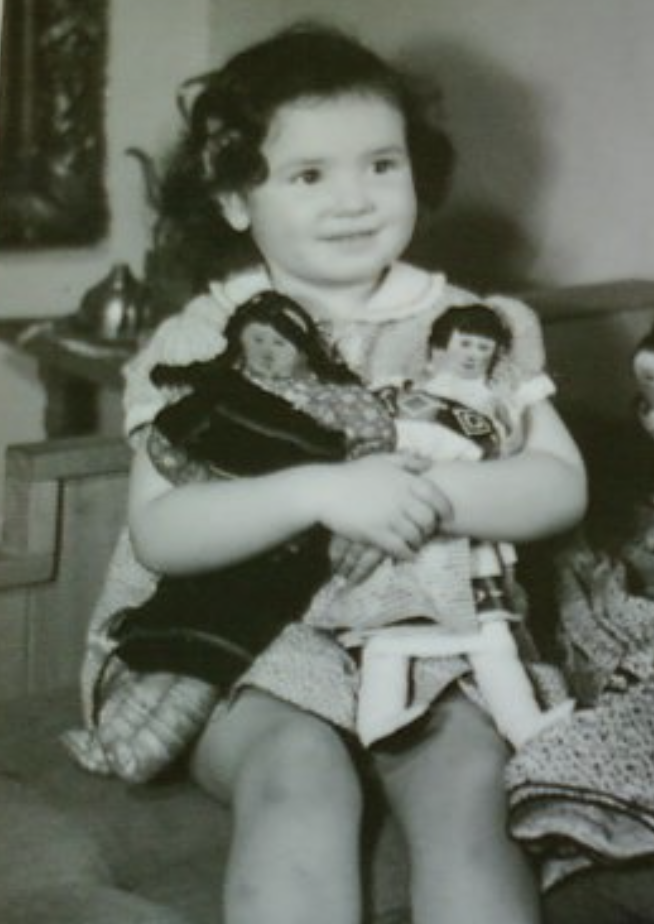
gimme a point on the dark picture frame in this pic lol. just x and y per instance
(52, 137)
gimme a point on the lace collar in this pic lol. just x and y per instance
(406, 291)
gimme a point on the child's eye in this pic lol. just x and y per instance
(308, 177)
(385, 165)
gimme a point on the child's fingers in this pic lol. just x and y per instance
(353, 561)
(361, 562)
(414, 464)
(339, 548)
(405, 536)
(425, 490)
(424, 518)
(370, 559)
(393, 545)
(348, 555)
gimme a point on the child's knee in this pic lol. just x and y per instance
(302, 763)
(461, 749)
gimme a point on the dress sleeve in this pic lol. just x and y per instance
(194, 335)
(535, 389)
(528, 350)
(173, 462)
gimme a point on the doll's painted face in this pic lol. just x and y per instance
(643, 367)
(469, 355)
(269, 355)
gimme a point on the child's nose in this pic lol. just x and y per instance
(351, 195)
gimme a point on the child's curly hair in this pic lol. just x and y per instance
(228, 120)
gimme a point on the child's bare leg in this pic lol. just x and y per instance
(447, 792)
(297, 805)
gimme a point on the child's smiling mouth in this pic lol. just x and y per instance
(346, 237)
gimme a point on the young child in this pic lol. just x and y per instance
(246, 415)
(304, 161)
(448, 600)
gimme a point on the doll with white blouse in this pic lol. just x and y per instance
(457, 597)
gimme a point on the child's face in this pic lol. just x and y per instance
(338, 205)
(469, 355)
(643, 366)
(269, 355)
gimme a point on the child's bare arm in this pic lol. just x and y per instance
(355, 561)
(194, 527)
(535, 493)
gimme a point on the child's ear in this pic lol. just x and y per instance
(235, 210)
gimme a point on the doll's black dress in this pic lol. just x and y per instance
(211, 625)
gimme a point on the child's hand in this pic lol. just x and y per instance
(382, 501)
(353, 561)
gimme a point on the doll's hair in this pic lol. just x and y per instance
(228, 119)
(479, 320)
(282, 314)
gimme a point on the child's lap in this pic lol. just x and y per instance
(452, 754)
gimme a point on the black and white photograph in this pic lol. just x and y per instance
(326, 462)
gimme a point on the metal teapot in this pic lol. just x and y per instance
(115, 309)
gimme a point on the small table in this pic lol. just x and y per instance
(75, 370)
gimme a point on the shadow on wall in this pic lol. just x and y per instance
(483, 235)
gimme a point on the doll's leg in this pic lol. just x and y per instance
(383, 705)
(447, 791)
(507, 688)
(296, 800)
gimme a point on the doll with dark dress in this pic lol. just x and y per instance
(273, 399)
